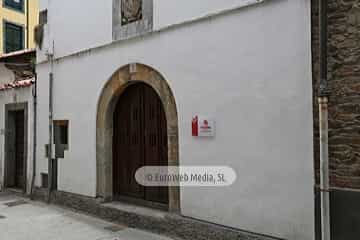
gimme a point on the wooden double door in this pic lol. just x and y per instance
(140, 139)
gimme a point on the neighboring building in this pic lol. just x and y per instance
(18, 19)
(17, 80)
(245, 64)
(344, 115)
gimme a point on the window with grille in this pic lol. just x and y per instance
(14, 37)
(14, 4)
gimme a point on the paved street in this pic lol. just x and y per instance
(22, 219)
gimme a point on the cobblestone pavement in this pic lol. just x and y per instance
(22, 219)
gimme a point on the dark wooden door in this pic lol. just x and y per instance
(15, 160)
(140, 139)
(19, 149)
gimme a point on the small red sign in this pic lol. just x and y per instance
(203, 127)
(195, 126)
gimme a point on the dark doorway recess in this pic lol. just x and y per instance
(140, 139)
(15, 146)
(344, 213)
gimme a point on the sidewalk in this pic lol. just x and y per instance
(22, 219)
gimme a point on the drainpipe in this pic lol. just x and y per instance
(50, 150)
(27, 25)
(323, 124)
(34, 136)
(50, 55)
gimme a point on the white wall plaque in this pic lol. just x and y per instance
(203, 126)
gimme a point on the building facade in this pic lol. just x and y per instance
(17, 89)
(116, 63)
(18, 19)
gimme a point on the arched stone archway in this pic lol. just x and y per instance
(122, 78)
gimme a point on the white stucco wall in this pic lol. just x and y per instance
(249, 69)
(170, 12)
(90, 25)
(11, 96)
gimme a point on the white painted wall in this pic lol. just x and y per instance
(76, 26)
(19, 95)
(170, 12)
(249, 69)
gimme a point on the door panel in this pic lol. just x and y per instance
(127, 144)
(140, 139)
(20, 147)
(11, 151)
(15, 156)
(155, 147)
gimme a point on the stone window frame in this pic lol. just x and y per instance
(133, 29)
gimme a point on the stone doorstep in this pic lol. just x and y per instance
(167, 224)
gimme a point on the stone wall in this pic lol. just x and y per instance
(344, 86)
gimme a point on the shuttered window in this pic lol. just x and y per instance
(15, 4)
(14, 37)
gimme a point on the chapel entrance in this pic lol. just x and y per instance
(140, 139)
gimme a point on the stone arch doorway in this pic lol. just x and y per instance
(121, 80)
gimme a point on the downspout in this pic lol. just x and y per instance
(27, 25)
(34, 136)
(323, 124)
(50, 56)
(50, 150)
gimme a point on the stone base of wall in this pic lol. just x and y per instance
(344, 213)
(171, 225)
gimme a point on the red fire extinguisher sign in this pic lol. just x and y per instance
(195, 126)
